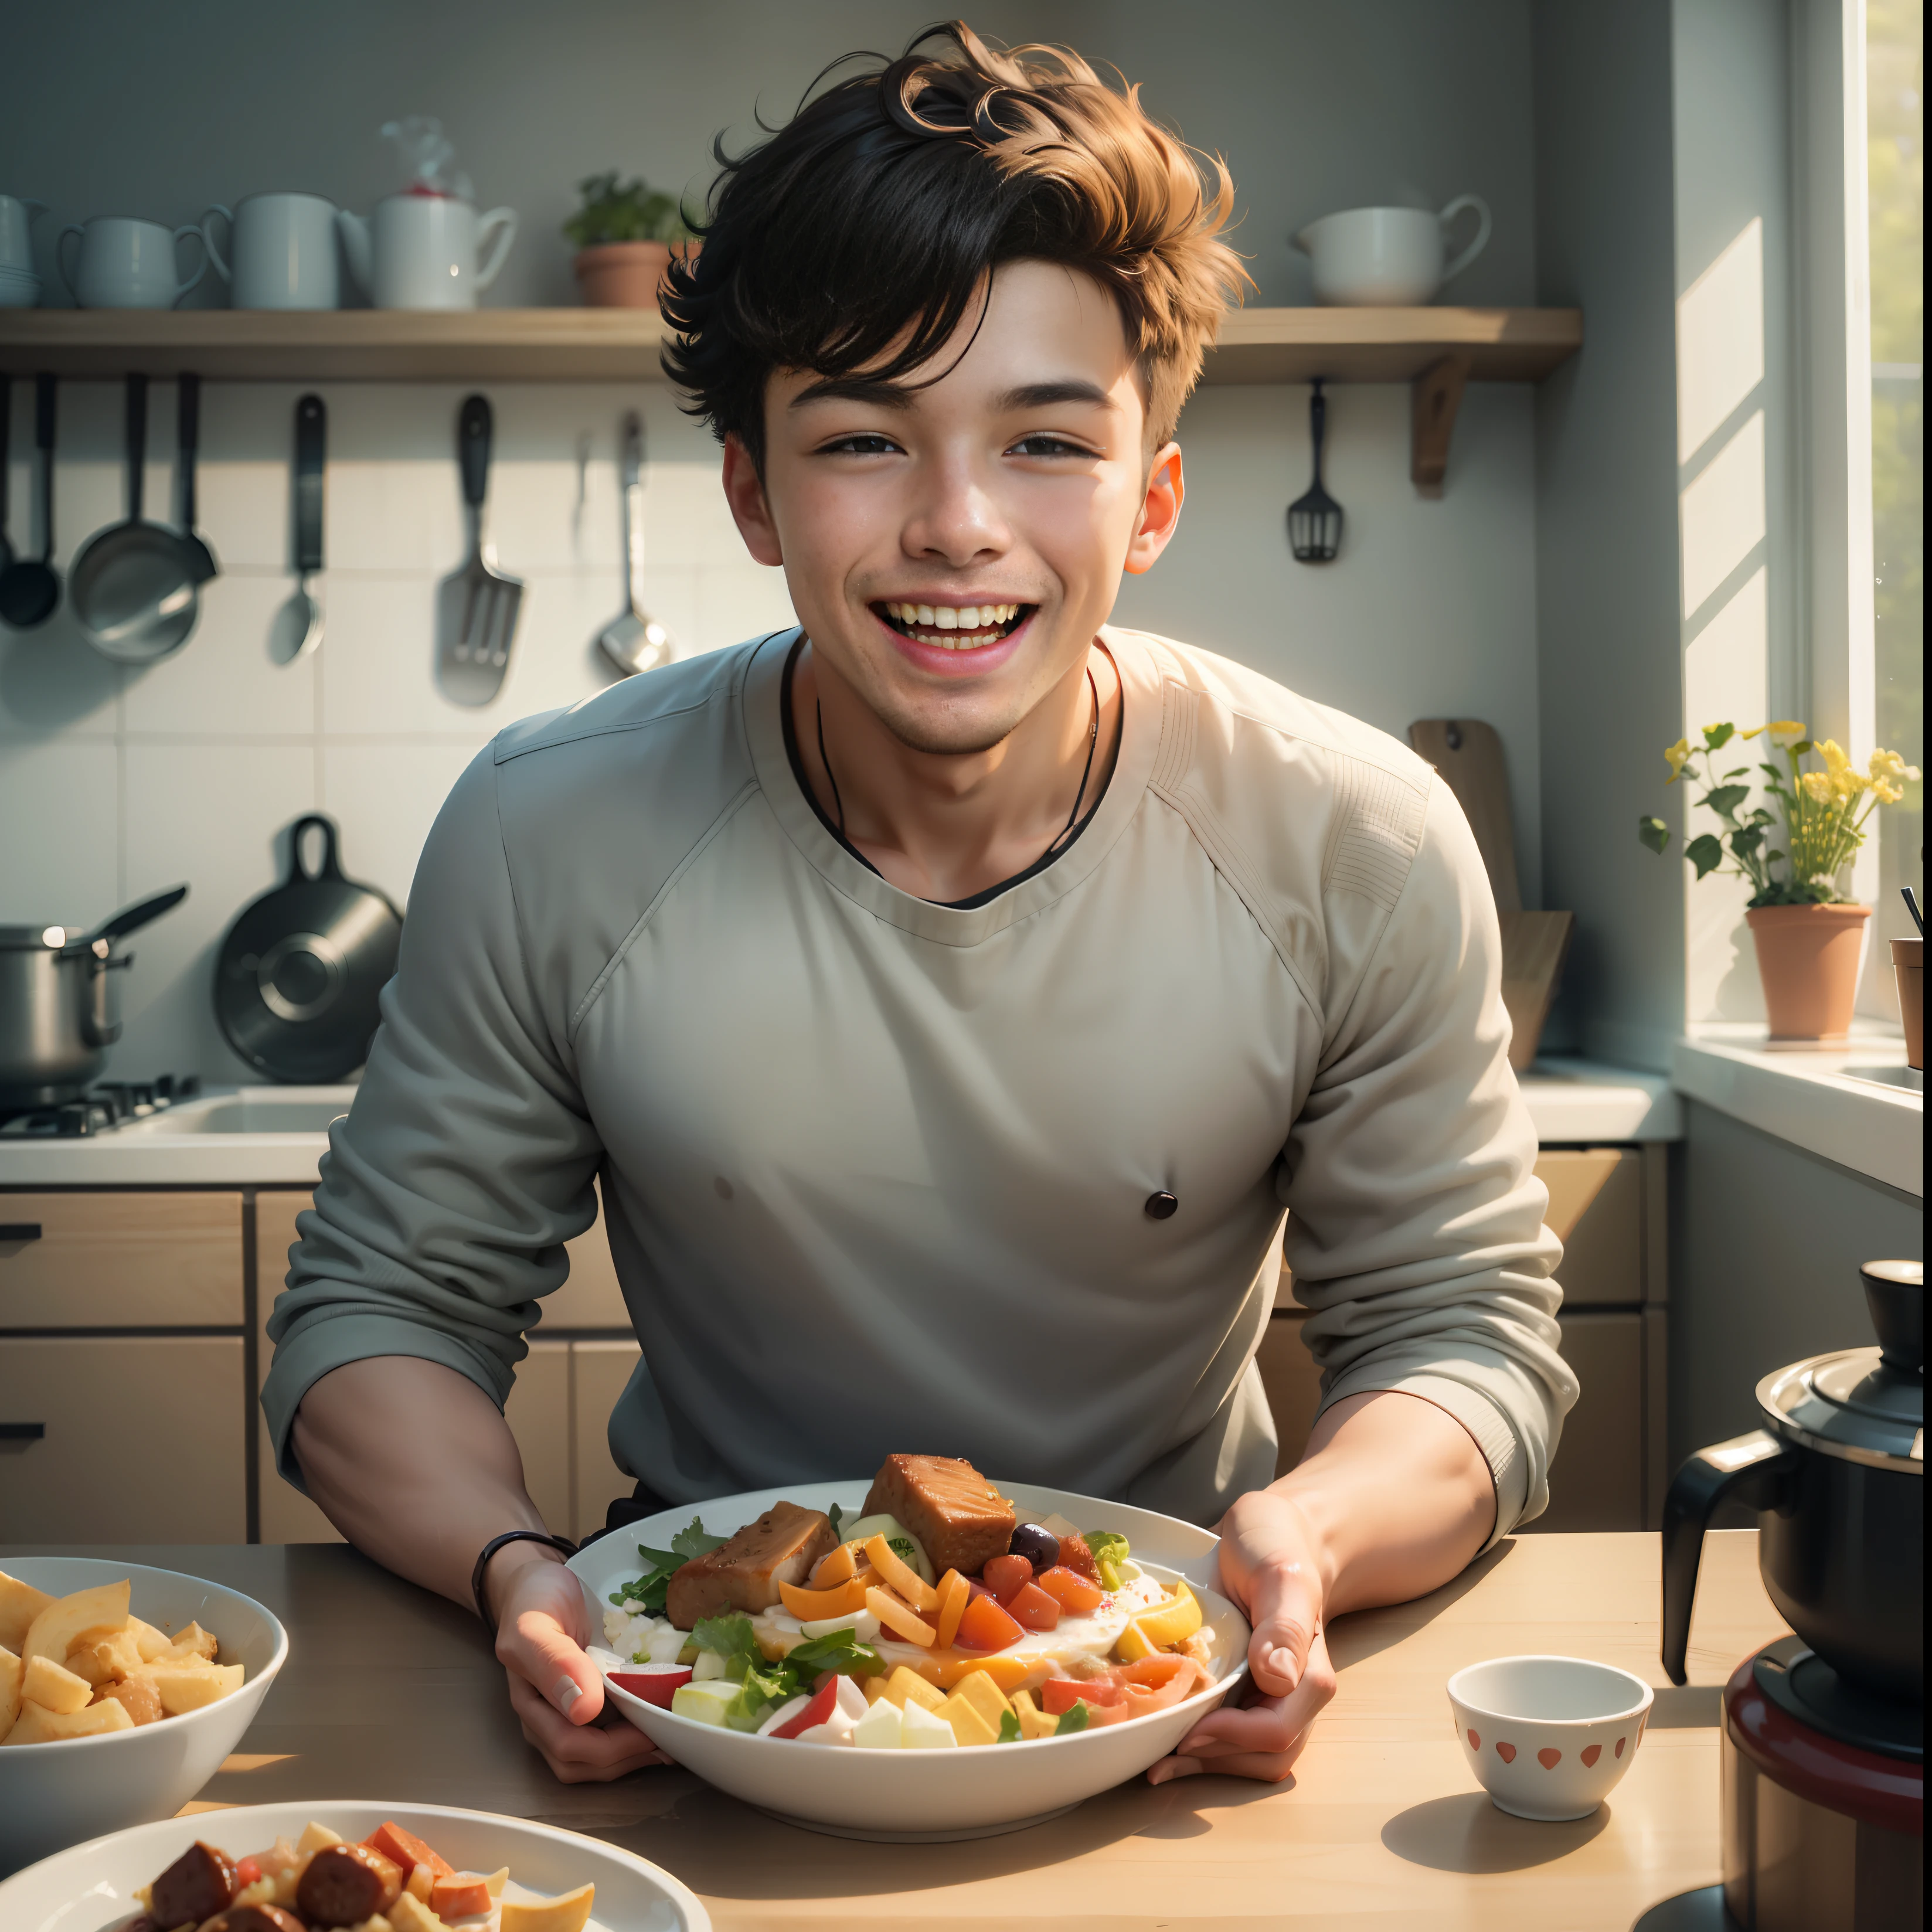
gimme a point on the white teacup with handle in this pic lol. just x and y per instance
(426, 251)
(120, 262)
(1374, 257)
(284, 246)
(16, 241)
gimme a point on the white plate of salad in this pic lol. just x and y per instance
(930, 1656)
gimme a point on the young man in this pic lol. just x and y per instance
(952, 993)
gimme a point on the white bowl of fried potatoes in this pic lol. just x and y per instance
(121, 1689)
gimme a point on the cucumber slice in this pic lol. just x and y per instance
(896, 1534)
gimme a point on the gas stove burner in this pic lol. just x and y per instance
(101, 1109)
(1805, 1687)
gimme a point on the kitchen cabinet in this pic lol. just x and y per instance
(598, 1372)
(120, 1260)
(123, 1439)
(1609, 1207)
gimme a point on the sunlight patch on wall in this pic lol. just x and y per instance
(1721, 514)
(1719, 340)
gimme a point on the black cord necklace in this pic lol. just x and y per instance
(1086, 770)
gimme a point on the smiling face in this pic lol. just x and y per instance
(951, 549)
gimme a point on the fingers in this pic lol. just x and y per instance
(1269, 1767)
(1262, 1739)
(1285, 1610)
(579, 1754)
(531, 1644)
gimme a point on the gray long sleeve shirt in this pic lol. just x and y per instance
(876, 1171)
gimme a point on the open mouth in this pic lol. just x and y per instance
(951, 627)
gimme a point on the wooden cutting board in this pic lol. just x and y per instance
(1469, 755)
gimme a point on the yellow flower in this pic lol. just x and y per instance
(1818, 787)
(1888, 767)
(1677, 757)
(1886, 794)
(1785, 732)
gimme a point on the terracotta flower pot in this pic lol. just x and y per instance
(1807, 958)
(1908, 963)
(623, 274)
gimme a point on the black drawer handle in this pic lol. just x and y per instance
(22, 1432)
(19, 1231)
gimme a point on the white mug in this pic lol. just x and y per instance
(426, 251)
(16, 243)
(284, 250)
(1392, 256)
(127, 264)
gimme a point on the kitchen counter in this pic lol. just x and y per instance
(391, 1692)
(1571, 1102)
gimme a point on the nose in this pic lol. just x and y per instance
(952, 517)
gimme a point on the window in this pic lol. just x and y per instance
(1894, 57)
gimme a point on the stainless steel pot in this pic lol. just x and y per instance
(59, 1012)
(1837, 1475)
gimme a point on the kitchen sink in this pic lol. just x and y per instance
(271, 1110)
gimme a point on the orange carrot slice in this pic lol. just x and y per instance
(840, 1566)
(954, 1596)
(901, 1576)
(805, 1605)
(899, 1618)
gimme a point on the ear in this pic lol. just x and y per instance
(1159, 514)
(750, 510)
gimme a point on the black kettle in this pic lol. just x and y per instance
(1835, 1474)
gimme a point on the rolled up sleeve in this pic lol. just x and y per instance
(467, 1159)
(1416, 1231)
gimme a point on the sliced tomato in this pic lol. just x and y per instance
(984, 1625)
(247, 1870)
(1075, 1556)
(1032, 1608)
(1058, 1695)
(1074, 1593)
(655, 1687)
(817, 1708)
(1157, 1682)
(1005, 1576)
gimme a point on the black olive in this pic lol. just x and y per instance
(1040, 1547)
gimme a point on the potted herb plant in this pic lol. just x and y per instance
(1808, 934)
(625, 233)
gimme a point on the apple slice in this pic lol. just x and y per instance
(654, 1687)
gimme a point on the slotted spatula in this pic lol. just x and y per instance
(476, 609)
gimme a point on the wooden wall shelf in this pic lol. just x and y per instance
(1437, 349)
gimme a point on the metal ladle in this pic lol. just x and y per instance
(29, 589)
(299, 626)
(634, 641)
(136, 586)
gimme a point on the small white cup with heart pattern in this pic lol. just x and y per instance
(1548, 1737)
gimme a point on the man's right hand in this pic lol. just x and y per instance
(555, 1689)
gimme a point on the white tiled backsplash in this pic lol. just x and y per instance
(115, 782)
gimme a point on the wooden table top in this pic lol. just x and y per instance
(392, 1693)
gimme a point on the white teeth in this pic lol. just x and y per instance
(947, 618)
(972, 616)
(923, 614)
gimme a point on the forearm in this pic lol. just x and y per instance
(1396, 1496)
(415, 1465)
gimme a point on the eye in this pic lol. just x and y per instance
(1042, 443)
(865, 443)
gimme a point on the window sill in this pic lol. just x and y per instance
(1815, 1099)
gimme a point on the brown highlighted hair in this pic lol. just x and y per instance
(860, 235)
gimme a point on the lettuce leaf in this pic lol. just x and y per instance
(1110, 1551)
(648, 1592)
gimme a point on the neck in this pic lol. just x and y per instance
(946, 826)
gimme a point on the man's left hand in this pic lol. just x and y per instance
(1271, 1567)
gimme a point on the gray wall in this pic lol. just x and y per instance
(1765, 1269)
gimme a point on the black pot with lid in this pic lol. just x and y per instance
(1836, 1475)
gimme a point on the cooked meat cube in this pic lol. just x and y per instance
(781, 1547)
(960, 1520)
(345, 1884)
(255, 1918)
(195, 1887)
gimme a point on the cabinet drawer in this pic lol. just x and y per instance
(598, 1371)
(1596, 1210)
(1597, 1480)
(142, 1440)
(282, 1514)
(120, 1260)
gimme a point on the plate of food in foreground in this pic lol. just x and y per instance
(340, 1862)
(931, 1656)
(121, 1689)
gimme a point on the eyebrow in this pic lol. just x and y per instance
(899, 396)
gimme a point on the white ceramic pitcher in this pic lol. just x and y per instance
(426, 251)
(1373, 256)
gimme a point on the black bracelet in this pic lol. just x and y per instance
(489, 1549)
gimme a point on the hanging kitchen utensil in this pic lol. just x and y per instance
(1315, 521)
(6, 433)
(477, 608)
(298, 627)
(297, 978)
(134, 586)
(634, 641)
(187, 441)
(29, 589)
(58, 1012)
